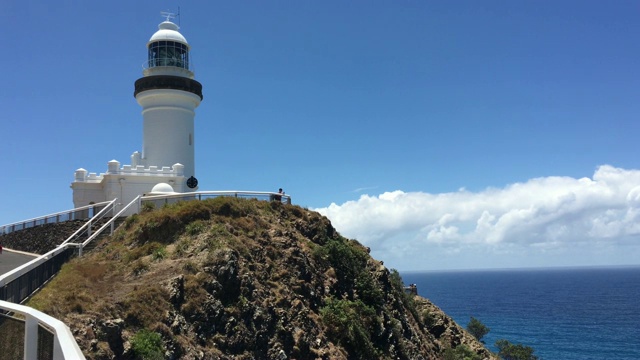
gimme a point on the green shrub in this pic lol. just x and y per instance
(477, 329)
(160, 253)
(219, 231)
(147, 206)
(147, 345)
(195, 227)
(130, 220)
(369, 290)
(351, 325)
(396, 281)
(461, 352)
(428, 318)
(509, 351)
(407, 299)
(348, 261)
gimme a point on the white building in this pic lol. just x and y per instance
(168, 95)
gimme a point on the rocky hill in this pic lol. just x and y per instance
(230, 278)
(42, 238)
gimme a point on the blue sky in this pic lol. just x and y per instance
(445, 135)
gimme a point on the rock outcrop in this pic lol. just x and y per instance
(42, 238)
(230, 278)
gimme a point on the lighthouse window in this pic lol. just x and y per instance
(168, 53)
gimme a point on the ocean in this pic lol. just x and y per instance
(562, 313)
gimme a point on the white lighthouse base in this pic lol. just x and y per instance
(125, 183)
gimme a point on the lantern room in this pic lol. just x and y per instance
(167, 47)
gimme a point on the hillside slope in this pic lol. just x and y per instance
(230, 278)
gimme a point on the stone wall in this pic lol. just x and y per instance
(40, 239)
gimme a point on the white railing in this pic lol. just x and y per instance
(25, 268)
(64, 344)
(110, 206)
(134, 203)
(80, 213)
(201, 195)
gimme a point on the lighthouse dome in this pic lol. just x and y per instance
(161, 188)
(168, 31)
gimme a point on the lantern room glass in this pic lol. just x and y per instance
(168, 53)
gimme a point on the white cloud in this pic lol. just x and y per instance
(539, 215)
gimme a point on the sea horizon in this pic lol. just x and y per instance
(525, 268)
(562, 312)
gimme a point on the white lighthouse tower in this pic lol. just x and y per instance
(169, 96)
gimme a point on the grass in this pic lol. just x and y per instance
(159, 253)
(58, 299)
(142, 305)
(196, 227)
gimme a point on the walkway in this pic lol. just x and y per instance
(10, 260)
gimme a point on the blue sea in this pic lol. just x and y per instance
(562, 313)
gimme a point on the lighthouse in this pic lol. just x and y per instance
(168, 94)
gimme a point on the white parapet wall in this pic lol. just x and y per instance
(125, 183)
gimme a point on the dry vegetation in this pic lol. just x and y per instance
(230, 278)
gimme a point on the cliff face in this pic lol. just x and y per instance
(229, 278)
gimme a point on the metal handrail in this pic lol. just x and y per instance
(64, 344)
(109, 207)
(59, 216)
(261, 195)
(109, 223)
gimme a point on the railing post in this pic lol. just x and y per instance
(30, 338)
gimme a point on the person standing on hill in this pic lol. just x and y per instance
(279, 196)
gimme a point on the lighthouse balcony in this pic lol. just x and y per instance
(166, 81)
